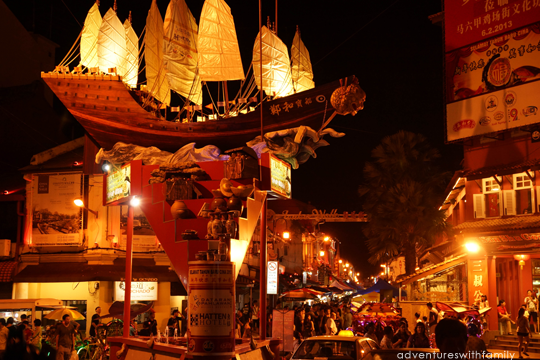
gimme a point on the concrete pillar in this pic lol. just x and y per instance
(163, 305)
(493, 319)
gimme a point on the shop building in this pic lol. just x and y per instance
(77, 254)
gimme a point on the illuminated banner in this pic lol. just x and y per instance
(140, 291)
(119, 184)
(272, 278)
(496, 111)
(56, 220)
(471, 21)
(280, 175)
(478, 279)
(505, 61)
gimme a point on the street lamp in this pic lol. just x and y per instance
(80, 203)
(326, 238)
(135, 201)
(286, 235)
(472, 247)
(347, 265)
(321, 253)
(340, 261)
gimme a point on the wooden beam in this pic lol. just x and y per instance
(497, 180)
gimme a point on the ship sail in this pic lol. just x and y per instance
(156, 82)
(111, 47)
(302, 72)
(275, 62)
(219, 54)
(180, 51)
(132, 55)
(89, 37)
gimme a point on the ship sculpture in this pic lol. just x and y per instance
(181, 57)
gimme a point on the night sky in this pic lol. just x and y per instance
(391, 46)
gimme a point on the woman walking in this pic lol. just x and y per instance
(522, 332)
(531, 304)
(419, 338)
(308, 327)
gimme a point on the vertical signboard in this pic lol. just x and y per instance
(280, 177)
(211, 296)
(478, 281)
(118, 184)
(56, 220)
(272, 278)
(283, 327)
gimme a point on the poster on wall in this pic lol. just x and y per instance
(140, 291)
(56, 220)
(143, 234)
(471, 21)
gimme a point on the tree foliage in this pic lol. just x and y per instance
(402, 191)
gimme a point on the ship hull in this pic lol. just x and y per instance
(108, 112)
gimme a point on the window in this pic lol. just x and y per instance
(488, 204)
(520, 201)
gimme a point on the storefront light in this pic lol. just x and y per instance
(135, 201)
(340, 261)
(472, 247)
(347, 265)
(326, 238)
(286, 235)
(321, 253)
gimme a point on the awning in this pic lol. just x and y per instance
(76, 271)
(430, 270)
(7, 270)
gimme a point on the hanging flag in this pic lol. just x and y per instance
(253, 99)
(242, 100)
(188, 107)
(221, 103)
(197, 107)
(232, 102)
(175, 108)
(209, 106)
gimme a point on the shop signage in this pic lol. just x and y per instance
(272, 278)
(332, 216)
(470, 21)
(211, 303)
(478, 280)
(280, 177)
(140, 291)
(118, 184)
(495, 111)
(56, 220)
(283, 328)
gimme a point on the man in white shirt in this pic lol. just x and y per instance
(331, 328)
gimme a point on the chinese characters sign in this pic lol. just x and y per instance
(478, 280)
(119, 184)
(211, 302)
(280, 177)
(56, 220)
(140, 291)
(471, 21)
(482, 96)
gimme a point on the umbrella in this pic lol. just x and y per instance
(58, 314)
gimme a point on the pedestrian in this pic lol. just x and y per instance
(451, 337)
(65, 338)
(324, 321)
(95, 321)
(522, 332)
(299, 320)
(504, 318)
(370, 333)
(269, 322)
(172, 323)
(16, 348)
(386, 342)
(11, 328)
(4, 333)
(401, 336)
(35, 338)
(419, 338)
(347, 318)
(145, 330)
(433, 317)
(255, 314)
(308, 328)
(474, 343)
(531, 301)
(331, 328)
(152, 322)
(246, 314)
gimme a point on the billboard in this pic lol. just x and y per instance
(140, 291)
(472, 21)
(143, 234)
(490, 85)
(280, 177)
(56, 220)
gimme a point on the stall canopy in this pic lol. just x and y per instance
(383, 285)
(341, 286)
